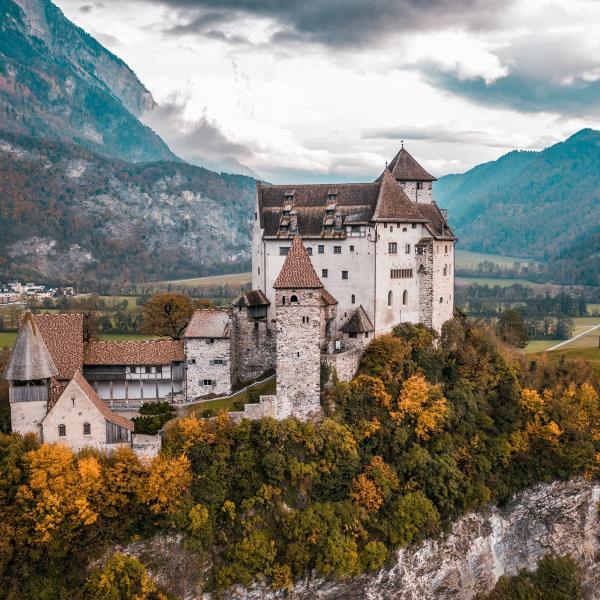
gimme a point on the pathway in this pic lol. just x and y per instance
(575, 337)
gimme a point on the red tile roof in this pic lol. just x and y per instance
(297, 271)
(209, 323)
(88, 390)
(133, 352)
(328, 299)
(63, 334)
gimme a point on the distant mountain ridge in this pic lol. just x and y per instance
(57, 82)
(544, 205)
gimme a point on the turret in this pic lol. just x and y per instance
(29, 372)
(413, 178)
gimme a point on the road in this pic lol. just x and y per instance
(575, 337)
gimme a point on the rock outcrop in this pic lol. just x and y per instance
(558, 518)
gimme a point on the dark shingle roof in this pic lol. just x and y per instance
(30, 358)
(251, 298)
(358, 322)
(393, 204)
(297, 271)
(405, 168)
(436, 222)
(208, 323)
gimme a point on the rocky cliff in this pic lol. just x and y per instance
(558, 518)
(67, 214)
(58, 82)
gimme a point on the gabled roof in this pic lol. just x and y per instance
(405, 168)
(30, 358)
(436, 221)
(208, 323)
(63, 334)
(393, 204)
(133, 352)
(251, 298)
(358, 322)
(328, 299)
(88, 391)
(297, 271)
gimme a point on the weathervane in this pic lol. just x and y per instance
(402, 142)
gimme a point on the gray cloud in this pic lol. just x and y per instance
(552, 72)
(341, 23)
(200, 142)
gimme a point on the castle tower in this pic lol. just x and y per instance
(412, 177)
(299, 315)
(29, 371)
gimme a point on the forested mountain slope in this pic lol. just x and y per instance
(67, 214)
(544, 205)
(58, 82)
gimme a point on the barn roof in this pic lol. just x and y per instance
(133, 352)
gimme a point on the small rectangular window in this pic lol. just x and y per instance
(321, 249)
(209, 382)
(87, 429)
(210, 341)
(407, 248)
(337, 249)
(324, 273)
(147, 369)
(414, 225)
(344, 274)
(283, 250)
(392, 248)
(351, 248)
(419, 185)
(401, 273)
(217, 361)
(352, 334)
(309, 251)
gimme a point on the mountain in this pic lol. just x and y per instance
(57, 82)
(544, 205)
(68, 214)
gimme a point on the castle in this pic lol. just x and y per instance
(332, 267)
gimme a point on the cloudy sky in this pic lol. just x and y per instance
(324, 90)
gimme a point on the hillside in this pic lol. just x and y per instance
(544, 205)
(67, 214)
(57, 82)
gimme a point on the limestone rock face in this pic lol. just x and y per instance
(560, 518)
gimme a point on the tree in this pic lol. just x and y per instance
(512, 328)
(122, 578)
(167, 314)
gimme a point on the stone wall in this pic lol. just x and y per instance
(425, 277)
(26, 417)
(443, 283)
(253, 347)
(298, 353)
(344, 363)
(201, 354)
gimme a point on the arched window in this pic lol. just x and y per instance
(441, 299)
(353, 299)
(405, 297)
(87, 429)
(445, 269)
(294, 299)
(62, 430)
(390, 298)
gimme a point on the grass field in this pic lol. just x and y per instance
(7, 338)
(233, 279)
(466, 258)
(582, 324)
(262, 389)
(538, 346)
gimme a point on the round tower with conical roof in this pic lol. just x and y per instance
(29, 372)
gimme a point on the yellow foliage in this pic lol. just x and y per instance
(198, 516)
(366, 494)
(422, 404)
(531, 401)
(229, 509)
(166, 484)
